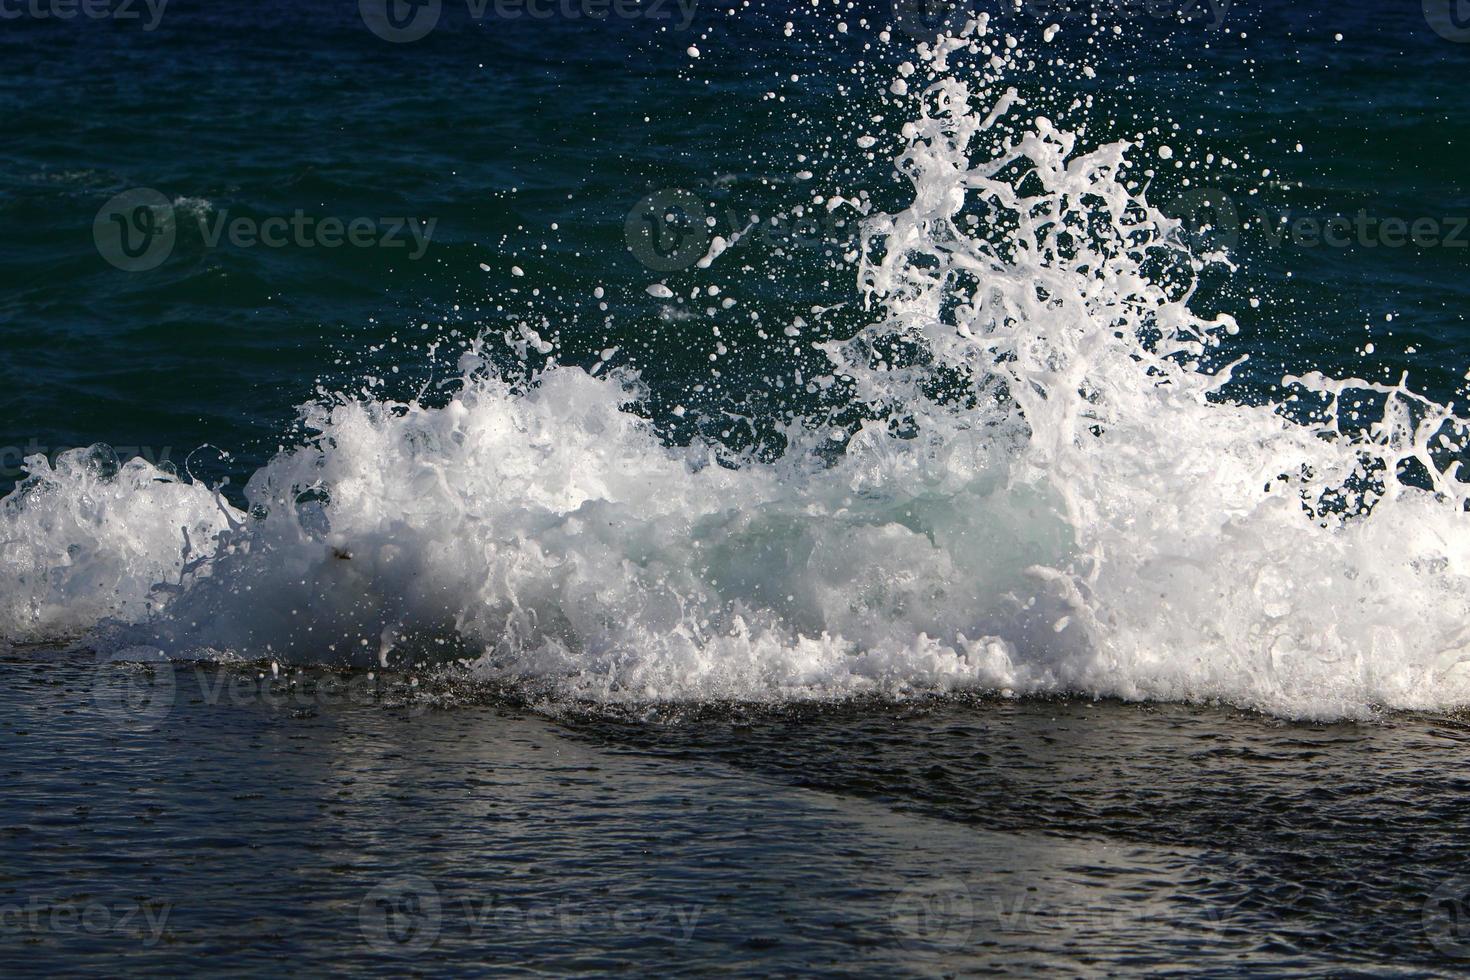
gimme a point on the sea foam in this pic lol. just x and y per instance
(1051, 495)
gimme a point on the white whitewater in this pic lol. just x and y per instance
(1081, 513)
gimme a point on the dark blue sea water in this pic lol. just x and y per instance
(497, 128)
(217, 213)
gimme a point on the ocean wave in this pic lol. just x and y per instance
(1051, 493)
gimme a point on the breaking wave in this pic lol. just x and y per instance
(1051, 493)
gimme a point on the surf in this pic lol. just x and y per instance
(1050, 490)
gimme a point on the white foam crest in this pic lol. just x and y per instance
(1071, 507)
(549, 536)
(86, 539)
(1211, 561)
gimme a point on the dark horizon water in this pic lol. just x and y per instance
(539, 729)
